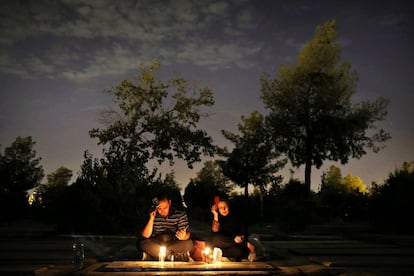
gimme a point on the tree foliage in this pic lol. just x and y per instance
(350, 183)
(391, 207)
(342, 197)
(20, 170)
(156, 120)
(153, 121)
(354, 183)
(292, 206)
(209, 182)
(311, 115)
(59, 178)
(50, 195)
(253, 160)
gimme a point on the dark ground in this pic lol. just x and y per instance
(28, 248)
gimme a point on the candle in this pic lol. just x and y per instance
(205, 255)
(162, 254)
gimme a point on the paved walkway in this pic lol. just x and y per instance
(39, 253)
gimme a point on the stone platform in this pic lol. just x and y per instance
(42, 253)
(181, 268)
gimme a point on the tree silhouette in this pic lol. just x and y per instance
(391, 207)
(199, 193)
(20, 170)
(311, 115)
(253, 160)
(153, 121)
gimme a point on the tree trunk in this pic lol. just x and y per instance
(308, 161)
(262, 191)
(308, 169)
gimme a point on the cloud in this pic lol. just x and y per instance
(114, 60)
(79, 40)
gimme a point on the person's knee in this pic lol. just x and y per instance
(140, 244)
(189, 244)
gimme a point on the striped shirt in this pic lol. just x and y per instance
(176, 220)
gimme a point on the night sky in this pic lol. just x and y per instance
(57, 58)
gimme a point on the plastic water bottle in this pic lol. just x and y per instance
(78, 253)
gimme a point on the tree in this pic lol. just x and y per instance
(156, 121)
(312, 117)
(212, 176)
(153, 121)
(293, 206)
(354, 183)
(209, 182)
(391, 207)
(342, 197)
(253, 159)
(333, 179)
(168, 186)
(59, 178)
(20, 170)
(53, 192)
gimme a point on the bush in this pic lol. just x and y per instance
(391, 207)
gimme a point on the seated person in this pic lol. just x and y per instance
(229, 234)
(167, 227)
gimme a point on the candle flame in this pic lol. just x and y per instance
(163, 250)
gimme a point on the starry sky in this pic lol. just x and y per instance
(57, 58)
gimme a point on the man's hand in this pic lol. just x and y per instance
(239, 239)
(147, 231)
(181, 234)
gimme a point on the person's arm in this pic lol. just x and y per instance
(215, 225)
(183, 232)
(238, 228)
(147, 231)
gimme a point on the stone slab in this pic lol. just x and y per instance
(356, 251)
(365, 261)
(178, 268)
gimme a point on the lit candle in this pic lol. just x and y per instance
(205, 254)
(162, 254)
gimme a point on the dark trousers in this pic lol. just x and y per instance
(230, 249)
(152, 245)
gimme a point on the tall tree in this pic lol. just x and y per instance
(312, 117)
(20, 170)
(153, 121)
(253, 159)
(156, 120)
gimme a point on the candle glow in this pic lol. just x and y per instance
(205, 255)
(162, 253)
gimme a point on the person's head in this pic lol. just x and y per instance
(164, 205)
(223, 207)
